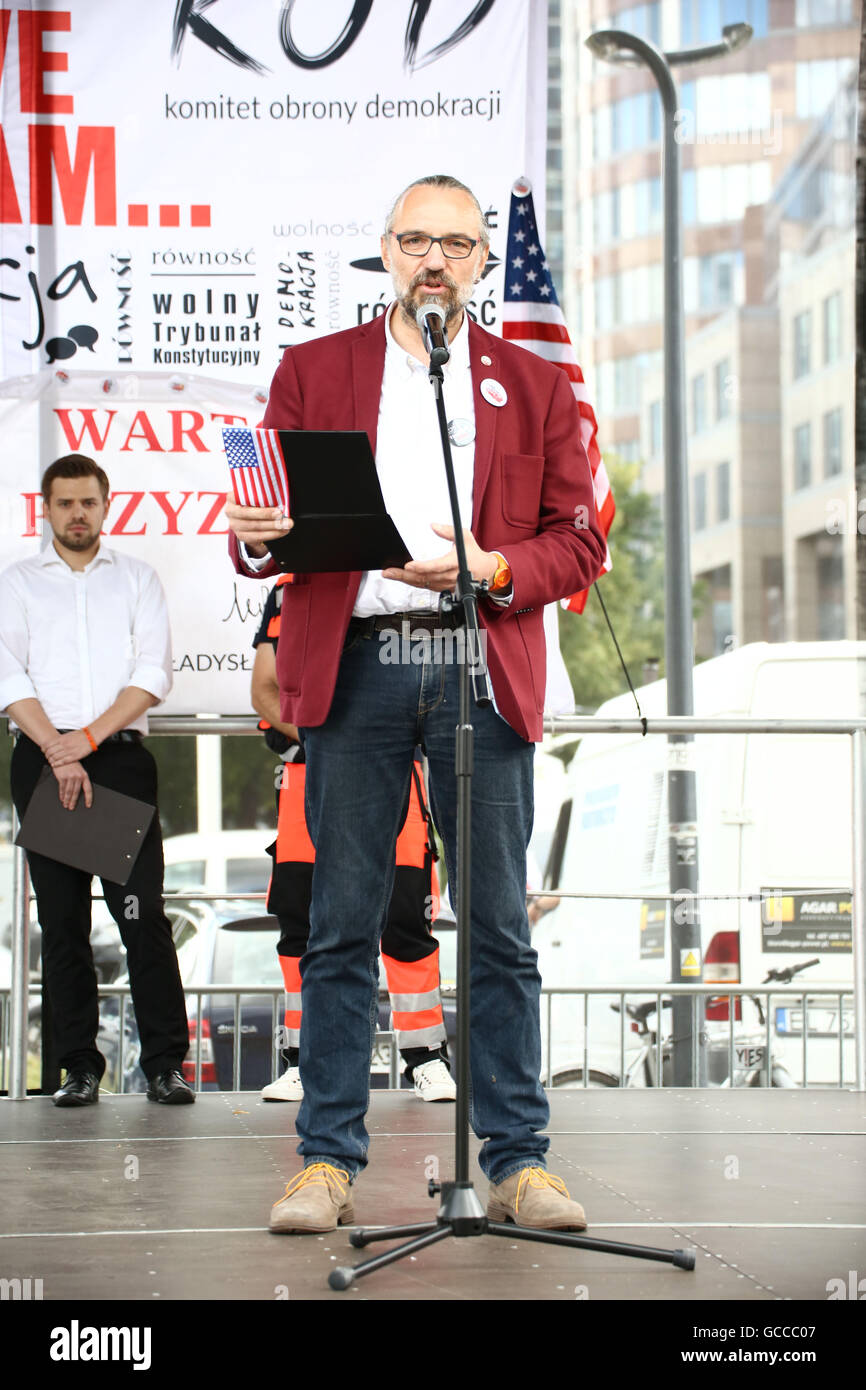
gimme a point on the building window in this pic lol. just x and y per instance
(699, 501)
(802, 456)
(818, 84)
(832, 317)
(723, 383)
(702, 20)
(822, 12)
(802, 343)
(833, 443)
(831, 595)
(699, 404)
(655, 428)
(723, 492)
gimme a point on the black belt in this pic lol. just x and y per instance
(424, 620)
(123, 736)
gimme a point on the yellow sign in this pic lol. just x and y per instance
(690, 963)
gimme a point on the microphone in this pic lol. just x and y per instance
(431, 322)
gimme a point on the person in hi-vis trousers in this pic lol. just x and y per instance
(410, 953)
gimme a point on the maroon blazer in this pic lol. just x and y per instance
(532, 495)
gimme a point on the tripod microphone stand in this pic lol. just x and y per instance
(461, 1213)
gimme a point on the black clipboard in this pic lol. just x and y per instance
(104, 838)
(336, 503)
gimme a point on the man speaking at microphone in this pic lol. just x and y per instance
(524, 485)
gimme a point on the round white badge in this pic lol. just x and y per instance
(493, 391)
(461, 431)
(486, 361)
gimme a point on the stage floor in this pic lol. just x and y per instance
(130, 1200)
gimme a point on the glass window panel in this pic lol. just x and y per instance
(689, 198)
(832, 443)
(723, 492)
(832, 318)
(699, 501)
(802, 456)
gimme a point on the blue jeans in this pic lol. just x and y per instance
(358, 765)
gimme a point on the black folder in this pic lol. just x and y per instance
(336, 504)
(104, 838)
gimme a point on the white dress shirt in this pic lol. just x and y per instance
(74, 639)
(413, 479)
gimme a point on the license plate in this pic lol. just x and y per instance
(750, 1057)
(823, 1021)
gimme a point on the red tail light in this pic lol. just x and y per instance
(722, 966)
(208, 1065)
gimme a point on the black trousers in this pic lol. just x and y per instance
(63, 899)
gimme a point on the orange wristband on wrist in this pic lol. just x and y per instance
(90, 739)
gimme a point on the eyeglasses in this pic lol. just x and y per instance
(456, 248)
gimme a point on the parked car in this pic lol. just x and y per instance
(219, 861)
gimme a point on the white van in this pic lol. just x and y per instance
(774, 821)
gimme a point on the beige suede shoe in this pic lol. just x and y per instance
(318, 1199)
(534, 1197)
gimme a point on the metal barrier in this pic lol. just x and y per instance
(582, 1070)
(854, 728)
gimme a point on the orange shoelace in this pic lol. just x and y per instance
(336, 1180)
(539, 1178)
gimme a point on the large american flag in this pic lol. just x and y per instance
(531, 317)
(257, 468)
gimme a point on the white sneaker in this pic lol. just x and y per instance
(286, 1087)
(433, 1081)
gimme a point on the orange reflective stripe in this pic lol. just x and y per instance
(424, 1018)
(274, 626)
(291, 968)
(293, 839)
(412, 976)
(412, 840)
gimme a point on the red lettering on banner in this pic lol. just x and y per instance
(147, 433)
(229, 419)
(126, 515)
(10, 210)
(179, 432)
(34, 61)
(172, 513)
(31, 515)
(5, 16)
(206, 528)
(49, 150)
(89, 427)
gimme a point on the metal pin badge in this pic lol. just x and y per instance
(461, 431)
(493, 391)
(486, 361)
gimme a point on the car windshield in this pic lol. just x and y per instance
(248, 875)
(247, 957)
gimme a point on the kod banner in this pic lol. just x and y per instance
(185, 190)
(193, 187)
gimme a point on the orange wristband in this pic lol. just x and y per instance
(90, 739)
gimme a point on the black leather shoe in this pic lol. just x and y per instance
(79, 1088)
(169, 1088)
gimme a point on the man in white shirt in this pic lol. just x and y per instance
(85, 651)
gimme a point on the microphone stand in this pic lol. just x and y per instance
(461, 1212)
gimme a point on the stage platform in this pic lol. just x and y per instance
(134, 1201)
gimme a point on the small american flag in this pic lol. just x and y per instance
(531, 317)
(257, 467)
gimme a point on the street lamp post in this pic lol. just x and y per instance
(617, 46)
